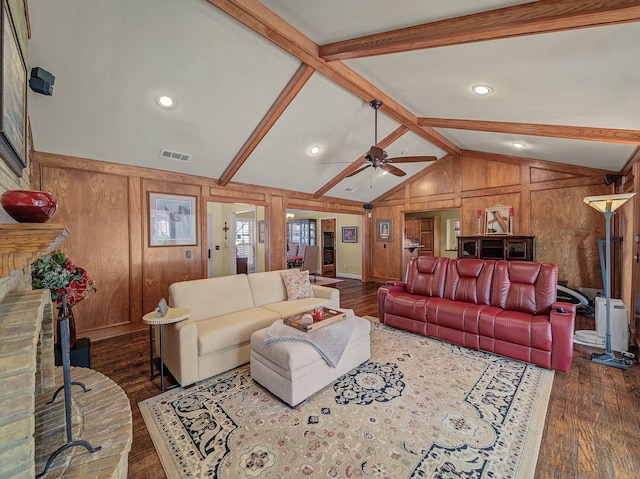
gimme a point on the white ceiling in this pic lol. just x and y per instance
(112, 59)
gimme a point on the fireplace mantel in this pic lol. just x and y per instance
(21, 244)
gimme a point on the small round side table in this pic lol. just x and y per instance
(153, 318)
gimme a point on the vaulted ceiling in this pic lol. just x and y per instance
(256, 84)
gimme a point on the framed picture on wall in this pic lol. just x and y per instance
(384, 230)
(261, 231)
(172, 220)
(349, 234)
(13, 88)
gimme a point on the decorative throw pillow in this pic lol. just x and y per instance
(298, 285)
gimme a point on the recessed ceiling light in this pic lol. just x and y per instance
(481, 89)
(165, 101)
(518, 145)
(384, 172)
(314, 150)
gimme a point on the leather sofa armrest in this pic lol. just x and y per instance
(382, 294)
(326, 292)
(562, 317)
(181, 351)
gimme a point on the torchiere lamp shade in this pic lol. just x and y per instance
(608, 202)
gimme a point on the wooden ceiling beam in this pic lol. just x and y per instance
(610, 135)
(384, 143)
(263, 21)
(299, 79)
(544, 16)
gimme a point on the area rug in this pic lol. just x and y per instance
(420, 408)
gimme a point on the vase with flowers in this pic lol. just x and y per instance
(55, 272)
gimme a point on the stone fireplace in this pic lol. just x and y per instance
(31, 430)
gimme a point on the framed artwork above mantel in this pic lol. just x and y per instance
(13, 96)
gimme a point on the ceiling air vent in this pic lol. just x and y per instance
(349, 189)
(175, 155)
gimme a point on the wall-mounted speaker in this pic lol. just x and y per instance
(367, 206)
(610, 179)
(41, 81)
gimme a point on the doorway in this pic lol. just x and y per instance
(430, 233)
(233, 233)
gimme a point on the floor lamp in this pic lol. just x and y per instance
(607, 204)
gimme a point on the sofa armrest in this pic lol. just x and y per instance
(326, 292)
(562, 317)
(388, 287)
(181, 351)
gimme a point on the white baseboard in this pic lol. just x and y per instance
(349, 276)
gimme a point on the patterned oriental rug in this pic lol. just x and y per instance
(420, 408)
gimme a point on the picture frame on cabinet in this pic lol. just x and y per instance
(13, 91)
(498, 220)
(172, 220)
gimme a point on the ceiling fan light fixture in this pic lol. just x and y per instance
(314, 150)
(482, 89)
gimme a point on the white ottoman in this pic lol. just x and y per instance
(293, 371)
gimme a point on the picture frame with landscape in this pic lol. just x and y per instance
(172, 220)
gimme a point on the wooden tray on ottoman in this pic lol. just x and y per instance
(331, 316)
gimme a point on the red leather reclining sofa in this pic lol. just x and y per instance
(504, 307)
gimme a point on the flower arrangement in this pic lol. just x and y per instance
(55, 272)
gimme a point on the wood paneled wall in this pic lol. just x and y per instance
(105, 206)
(547, 199)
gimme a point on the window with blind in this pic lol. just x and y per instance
(245, 240)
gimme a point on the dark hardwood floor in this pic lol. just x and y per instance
(592, 430)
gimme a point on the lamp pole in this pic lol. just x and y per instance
(607, 205)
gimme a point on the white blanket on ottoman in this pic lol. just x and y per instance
(330, 341)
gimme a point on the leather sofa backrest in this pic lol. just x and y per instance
(524, 286)
(469, 279)
(426, 276)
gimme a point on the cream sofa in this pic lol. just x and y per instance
(225, 311)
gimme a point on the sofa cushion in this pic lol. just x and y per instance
(297, 285)
(469, 280)
(411, 306)
(426, 275)
(524, 286)
(231, 330)
(212, 296)
(289, 308)
(268, 287)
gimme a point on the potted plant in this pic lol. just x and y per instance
(55, 272)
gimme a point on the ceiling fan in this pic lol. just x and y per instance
(378, 158)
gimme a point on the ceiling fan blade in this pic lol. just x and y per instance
(358, 170)
(412, 159)
(392, 169)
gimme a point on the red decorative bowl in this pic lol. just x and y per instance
(29, 206)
